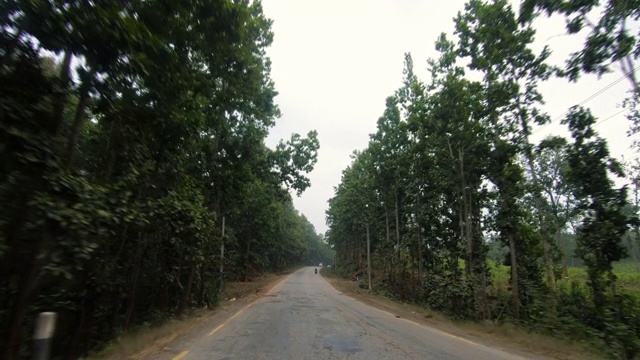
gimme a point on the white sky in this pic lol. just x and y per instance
(335, 62)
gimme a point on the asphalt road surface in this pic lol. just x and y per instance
(304, 317)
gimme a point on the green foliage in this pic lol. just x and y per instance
(122, 157)
(605, 223)
(470, 218)
(610, 37)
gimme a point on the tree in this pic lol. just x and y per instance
(610, 39)
(496, 45)
(119, 165)
(551, 166)
(605, 223)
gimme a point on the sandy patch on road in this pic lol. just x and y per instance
(508, 338)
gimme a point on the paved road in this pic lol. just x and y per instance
(304, 317)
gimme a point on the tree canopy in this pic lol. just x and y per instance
(132, 144)
(455, 190)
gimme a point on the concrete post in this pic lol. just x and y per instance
(42, 335)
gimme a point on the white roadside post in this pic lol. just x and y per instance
(42, 335)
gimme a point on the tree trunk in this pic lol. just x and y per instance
(246, 264)
(187, 293)
(418, 226)
(386, 219)
(539, 202)
(397, 225)
(514, 278)
(23, 297)
(114, 309)
(28, 276)
(565, 270)
(203, 284)
(368, 257)
(79, 118)
(81, 343)
(465, 225)
(131, 301)
(636, 191)
(61, 98)
(88, 330)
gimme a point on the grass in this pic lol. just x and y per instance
(139, 343)
(627, 273)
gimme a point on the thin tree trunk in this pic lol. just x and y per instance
(61, 98)
(539, 202)
(88, 330)
(246, 264)
(79, 118)
(636, 191)
(28, 276)
(397, 225)
(81, 343)
(359, 254)
(465, 206)
(203, 284)
(187, 293)
(22, 300)
(74, 345)
(386, 219)
(131, 301)
(514, 278)
(565, 270)
(418, 226)
(368, 257)
(114, 306)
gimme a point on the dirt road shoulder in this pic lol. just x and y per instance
(147, 343)
(504, 337)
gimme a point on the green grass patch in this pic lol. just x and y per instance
(627, 274)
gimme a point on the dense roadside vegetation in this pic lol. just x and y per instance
(131, 139)
(468, 216)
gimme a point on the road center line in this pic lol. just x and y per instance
(181, 355)
(213, 331)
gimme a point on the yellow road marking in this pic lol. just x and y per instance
(461, 339)
(240, 312)
(214, 330)
(181, 355)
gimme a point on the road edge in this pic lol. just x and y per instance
(181, 329)
(477, 333)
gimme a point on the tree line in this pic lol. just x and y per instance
(132, 148)
(451, 171)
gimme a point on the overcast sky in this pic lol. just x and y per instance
(335, 62)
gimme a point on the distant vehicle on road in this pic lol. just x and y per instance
(320, 265)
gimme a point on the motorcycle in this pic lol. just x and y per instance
(316, 271)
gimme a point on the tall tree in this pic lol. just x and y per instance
(500, 48)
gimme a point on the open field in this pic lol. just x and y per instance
(627, 273)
